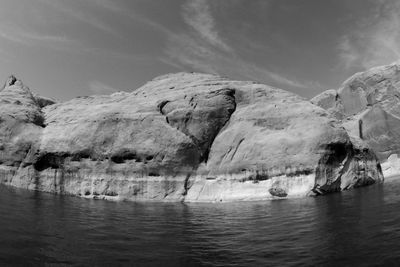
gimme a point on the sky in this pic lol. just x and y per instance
(68, 48)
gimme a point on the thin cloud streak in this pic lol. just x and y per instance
(203, 50)
(18, 35)
(196, 51)
(76, 13)
(184, 51)
(131, 14)
(197, 14)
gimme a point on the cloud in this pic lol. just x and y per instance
(13, 33)
(132, 14)
(197, 14)
(348, 52)
(375, 41)
(79, 14)
(32, 37)
(185, 51)
(203, 50)
(100, 88)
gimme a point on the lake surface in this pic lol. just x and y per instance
(359, 228)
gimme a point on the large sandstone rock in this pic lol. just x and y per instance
(180, 137)
(369, 103)
(21, 124)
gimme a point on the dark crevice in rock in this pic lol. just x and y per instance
(56, 160)
(237, 147)
(161, 105)
(344, 164)
(195, 115)
(10, 81)
(39, 120)
(259, 176)
(83, 154)
(111, 193)
(231, 110)
(186, 185)
(379, 167)
(360, 128)
(124, 155)
(330, 169)
(43, 101)
(300, 172)
(50, 160)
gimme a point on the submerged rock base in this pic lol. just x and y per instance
(180, 188)
(188, 188)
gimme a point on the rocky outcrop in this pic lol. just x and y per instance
(21, 124)
(180, 137)
(369, 104)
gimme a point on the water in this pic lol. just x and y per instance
(359, 228)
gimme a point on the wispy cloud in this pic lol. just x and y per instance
(204, 50)
(69, 9)
(375, 41)
(120, 10)
(13, 33)
(186, 52)
(17, 35)
(100, 88)
(197, 14)
(33, 35)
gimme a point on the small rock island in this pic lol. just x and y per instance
(201, 138)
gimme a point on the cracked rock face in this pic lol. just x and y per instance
(180, 137)
(200, 116)
(370, 104)
(21, 124)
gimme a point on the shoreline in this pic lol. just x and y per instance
(199, 189)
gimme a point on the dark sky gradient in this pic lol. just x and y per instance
(63, 48)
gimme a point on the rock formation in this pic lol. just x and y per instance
(180, 137)
(369, 104)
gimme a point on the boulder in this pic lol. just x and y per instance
(182, 137)
(21, 124)
(369, 104)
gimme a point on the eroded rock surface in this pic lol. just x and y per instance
(369, 104)
(180, 137)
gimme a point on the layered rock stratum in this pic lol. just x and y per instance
(180, 137)
(368, 103)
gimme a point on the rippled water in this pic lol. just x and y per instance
(359, 227)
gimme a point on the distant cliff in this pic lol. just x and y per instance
(180, 137)
(369, 105)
